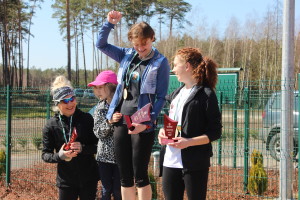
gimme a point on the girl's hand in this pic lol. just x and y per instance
(115, 118)
(66, 155)
(114, 17)
(76, 147)
(138, 128)
(181, 143)
(161, 136)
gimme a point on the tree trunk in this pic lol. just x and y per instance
(76, 55)
(28, 83)
(68, 39)
(6, 70)
(20, 55)
(171, 27)
(83, 54)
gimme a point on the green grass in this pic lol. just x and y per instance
(22, 112)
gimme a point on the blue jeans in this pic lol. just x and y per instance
(110, 179)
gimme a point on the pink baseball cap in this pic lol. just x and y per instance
(107, 76)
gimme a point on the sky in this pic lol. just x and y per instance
(48, 50)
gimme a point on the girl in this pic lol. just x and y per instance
(143, 78)
(104, 88)
(194, 105)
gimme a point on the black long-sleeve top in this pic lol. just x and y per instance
(200, 116)
(81, 169)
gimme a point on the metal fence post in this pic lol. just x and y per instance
(287, 81)
(246, 138)
(8, 134)
(234, 132)
(220, 140)
(298, 134)
(155, 155)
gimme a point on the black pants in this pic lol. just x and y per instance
(87, 192)
(133, 156)
(175, 181)
(110, 179)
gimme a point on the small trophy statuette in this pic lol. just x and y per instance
(72, 139)
(142, 115)
(170, 126)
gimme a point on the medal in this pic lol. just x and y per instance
(129, 75)
(178, 131)
(125, 93)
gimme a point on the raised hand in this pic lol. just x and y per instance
(114, 17)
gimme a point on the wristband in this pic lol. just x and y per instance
(147, 126)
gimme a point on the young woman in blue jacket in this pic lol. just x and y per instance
(185, 162)
(143, 78)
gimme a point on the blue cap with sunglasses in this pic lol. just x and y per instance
(60, 93)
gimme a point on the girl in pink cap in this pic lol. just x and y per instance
(104, 88)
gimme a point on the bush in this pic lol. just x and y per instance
(258, 180)
(2, 162)
(3, 142)
(37, 141)
(22, 142)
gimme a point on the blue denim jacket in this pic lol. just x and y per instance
(155, 78)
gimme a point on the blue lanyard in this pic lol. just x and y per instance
(63, 129)
(127, 78)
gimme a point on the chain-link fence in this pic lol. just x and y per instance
(251, 116)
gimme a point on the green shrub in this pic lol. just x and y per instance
(153, 185)
(2, 162)
(3, 142)
(253, 133)
(258, 180)
(37, 141)
(22, 142)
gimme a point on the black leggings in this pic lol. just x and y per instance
(87, 192)
(133, 156)
(175, 181)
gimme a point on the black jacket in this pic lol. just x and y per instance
(81, 169)
(200, 115)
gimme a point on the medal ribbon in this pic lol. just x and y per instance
(63, 129)
(127, 78)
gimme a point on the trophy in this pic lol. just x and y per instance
(72, 139)
(142, 115)
(170, 126)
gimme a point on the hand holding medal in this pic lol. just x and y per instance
(67, 147)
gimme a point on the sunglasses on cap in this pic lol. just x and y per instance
(66, 101)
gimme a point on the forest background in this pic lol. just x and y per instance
(255, 45)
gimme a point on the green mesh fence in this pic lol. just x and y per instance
(251, 121)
